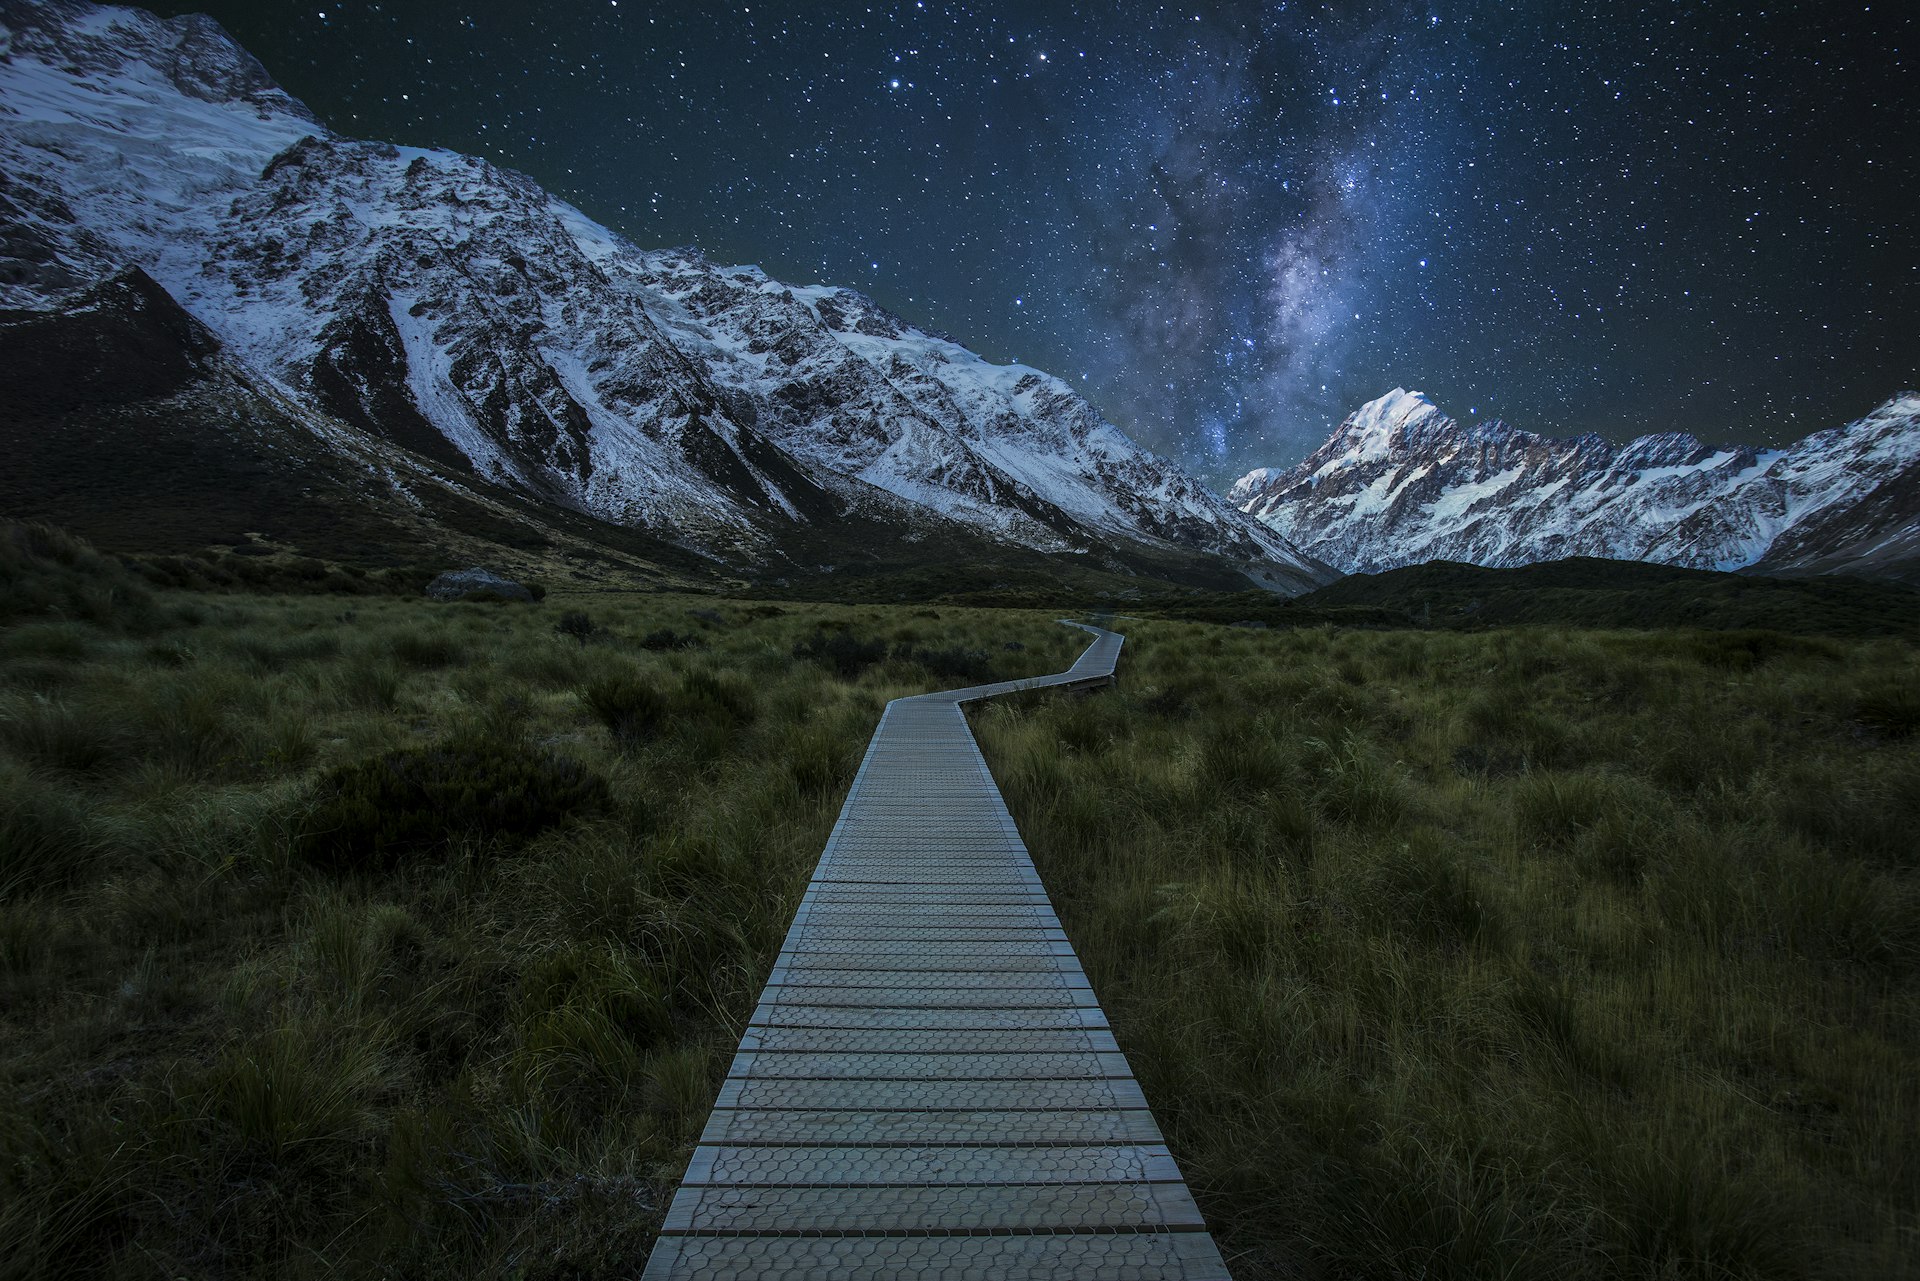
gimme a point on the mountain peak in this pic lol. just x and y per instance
(192, 54)
(1399, 482)
(1377, 427)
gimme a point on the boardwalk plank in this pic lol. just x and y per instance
(1177, 1256)
(738, 1126)
(910, 1016)
(963, 1207)
(930, 1041)
(864, 1165)
(806, 1065)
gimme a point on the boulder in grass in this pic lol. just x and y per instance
(463, 584)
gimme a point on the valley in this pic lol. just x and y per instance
(1540, 950)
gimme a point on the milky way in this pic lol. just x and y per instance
(1229, 225)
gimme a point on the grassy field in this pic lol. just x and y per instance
(1527, 953)
(376, 936)
(381, 936)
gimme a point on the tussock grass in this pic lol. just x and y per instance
(412, 939)
(1539, 953)
(1545, 953)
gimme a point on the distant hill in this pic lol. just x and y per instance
(1581, 592)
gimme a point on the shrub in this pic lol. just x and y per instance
(667, 638)
(954, 663)
(629, 707)
(371, 814)
(575, 623)
(841, 653)
(1742, 651)
(426, 650)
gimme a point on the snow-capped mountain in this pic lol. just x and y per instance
(457, 310)
(1399, 483)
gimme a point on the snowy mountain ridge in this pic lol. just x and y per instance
(1399, 482)
(437, 302)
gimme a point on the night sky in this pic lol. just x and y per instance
(1229, 225)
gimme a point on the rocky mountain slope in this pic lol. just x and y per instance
(455, 311)
(1400, 483)
(127, 421)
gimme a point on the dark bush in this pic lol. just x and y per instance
(575, 623)
(841, 653)
(667, 638)
(210, 572)
(427, 650)
(629, 707)
(950, 664)
(369, 815)
(1742, 651)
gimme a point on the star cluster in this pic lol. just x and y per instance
(1230, 224)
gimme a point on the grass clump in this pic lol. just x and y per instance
(631, 709)
(480, 792)
(1890, 707)
(49, 835)
(666, 638)
(46, 572)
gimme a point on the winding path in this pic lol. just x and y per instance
(928, 1087)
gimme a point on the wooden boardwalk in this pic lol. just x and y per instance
(928, 1087)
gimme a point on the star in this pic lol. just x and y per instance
(1537, 208)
